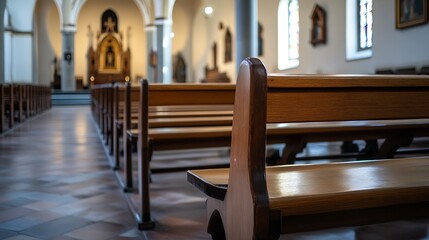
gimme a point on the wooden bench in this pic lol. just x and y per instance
(177, 106)
(7, 106)
(18, 102)
(295, 135)
(252, 201)
(126, 105)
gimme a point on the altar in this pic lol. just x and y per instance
(108, 61)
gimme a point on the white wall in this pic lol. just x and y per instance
(22, 58)
(22, 14)
(48, 39)
(392, 47)
(2, 49)
(8, 57)
(206, 31)
(21, 41)
(183, 17)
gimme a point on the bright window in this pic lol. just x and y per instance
(365, 24)
(359, 21)
(288, 33)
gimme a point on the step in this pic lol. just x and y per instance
(81, 97)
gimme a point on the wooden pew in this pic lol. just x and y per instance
(107, 108)
(9, 104)
(18, 102)
(120, 105)
(126, 100)
(295, 135)
(168, 114)
(177, 105)
(2, 108)
(18, 97)
(252, 201)
(101, 95)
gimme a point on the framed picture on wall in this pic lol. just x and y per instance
(411, 12)
(318, 26)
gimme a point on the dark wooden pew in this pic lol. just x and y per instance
(19, 102)
(252, 201)
(9, 104)
(102, 95)
(295, 135)
(160, 116)
(2, 108)
(178, 105)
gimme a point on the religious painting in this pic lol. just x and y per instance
(228, 46)
(318, 29)
(411, 12)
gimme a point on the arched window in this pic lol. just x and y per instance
(288, 34)
(359, 21)
(365, 24)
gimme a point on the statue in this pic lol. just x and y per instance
(110, 57)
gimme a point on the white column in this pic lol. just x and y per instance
(2, 60)
(150, 48)
(246, 16)
(163, 40)
(68, 82)
(8, 56)
(22, 57)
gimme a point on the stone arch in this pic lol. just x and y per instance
(143, 5)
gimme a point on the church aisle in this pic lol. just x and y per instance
(55, 181)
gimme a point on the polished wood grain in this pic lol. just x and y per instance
(251, 201)
(315, 188)
(190, 121)
(344, 81)
(171, 114)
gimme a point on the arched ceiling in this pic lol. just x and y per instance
(68, 11)
(149, 9)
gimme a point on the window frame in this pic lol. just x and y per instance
(284, 60)
(352, 28)
(358, 21)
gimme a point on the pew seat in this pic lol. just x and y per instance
(306, 193)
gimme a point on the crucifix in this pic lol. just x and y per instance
(110, 25)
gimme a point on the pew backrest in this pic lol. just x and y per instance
(159, 95)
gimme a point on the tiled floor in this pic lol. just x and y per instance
(56, 183)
